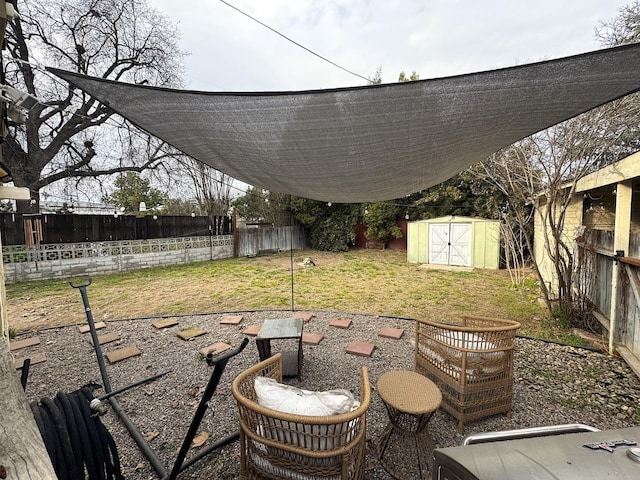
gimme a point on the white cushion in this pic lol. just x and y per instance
(289, 399)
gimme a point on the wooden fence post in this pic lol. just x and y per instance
(23, 455)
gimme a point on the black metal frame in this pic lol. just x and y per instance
(219, 363)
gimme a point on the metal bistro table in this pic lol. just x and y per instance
(282, 329)
(411, 399)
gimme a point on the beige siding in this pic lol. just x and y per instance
(572, 227)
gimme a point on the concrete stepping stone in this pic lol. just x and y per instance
(312, 338)
(27, 342)
(166, 323)
(106, 338)
(390, 332)
(191, 332)
(123, 354)
(340, 323)
(231, 320)
(215, 349)
(362, 349)
(86, 328)
(35, 358)
(303, 315)
(252, 330)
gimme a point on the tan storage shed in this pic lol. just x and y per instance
(458, 241)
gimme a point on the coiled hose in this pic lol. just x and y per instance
(75, 438)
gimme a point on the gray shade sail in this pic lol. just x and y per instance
(372, 143)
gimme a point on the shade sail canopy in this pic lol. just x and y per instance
(371, 143)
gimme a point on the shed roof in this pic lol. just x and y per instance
(455, 219)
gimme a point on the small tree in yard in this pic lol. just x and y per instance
(380, 220)
(332, 226)
(131, 190)
(511, 172)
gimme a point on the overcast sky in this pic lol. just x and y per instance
(435, 38)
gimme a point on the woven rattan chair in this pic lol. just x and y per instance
(276, 445)
(471, 361)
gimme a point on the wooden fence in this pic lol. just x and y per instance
(603, 278)
(18, 229)
(259, 241)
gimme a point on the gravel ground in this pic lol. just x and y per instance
(554, 384)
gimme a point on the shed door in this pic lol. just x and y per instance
(450, 244)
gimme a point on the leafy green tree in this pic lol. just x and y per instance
(259, 205)
(380, 220)
(332, 226)
(180, 206)
(131, 190)
(253, 205)
(465, 195)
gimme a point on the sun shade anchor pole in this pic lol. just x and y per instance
(291, 251)
(94, 335)
(133, 431)
(219, 363)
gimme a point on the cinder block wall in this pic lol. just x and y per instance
(63, 268)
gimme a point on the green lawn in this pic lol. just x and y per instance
(377, 282)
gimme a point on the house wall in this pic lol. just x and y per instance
(542, 240)
(610, 202)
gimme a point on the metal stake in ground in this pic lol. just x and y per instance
(94, 334)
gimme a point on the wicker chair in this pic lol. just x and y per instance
(471, 361)
(276, 445)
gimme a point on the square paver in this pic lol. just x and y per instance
(123, 354)
(191, 332)
(231, 320)
(215, 349)
(106, 338)
(27, 342)
(166, 323)
(340, 323)
(312, 338)
(303, 315)
(362, 349)
(390, 332)
(85, 328)
(252, 330)
(33, 359)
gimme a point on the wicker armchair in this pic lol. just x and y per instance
(277, 445)
(471, 362)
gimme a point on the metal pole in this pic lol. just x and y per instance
(127, 387)
(135, 433)
(94, 335)
(291, 252)
(220, 363)
(146, 449)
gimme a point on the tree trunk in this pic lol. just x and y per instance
(23, 455)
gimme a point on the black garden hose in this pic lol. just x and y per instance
(76, 440)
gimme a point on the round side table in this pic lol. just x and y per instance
(410, 399)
